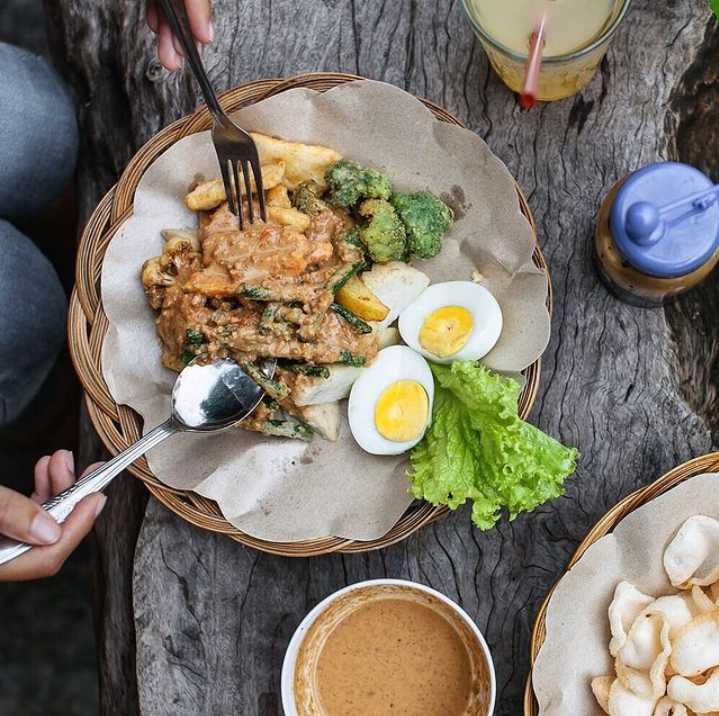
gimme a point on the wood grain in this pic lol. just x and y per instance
(634, 389)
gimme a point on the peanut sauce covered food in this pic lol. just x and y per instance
(331, 287)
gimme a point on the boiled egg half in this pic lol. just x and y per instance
(456, 320)
(390, 405)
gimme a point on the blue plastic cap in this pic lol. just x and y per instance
(659, 245)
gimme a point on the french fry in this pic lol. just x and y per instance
(288, 217)
(303, 161)
(206, 195)
(210, 194)
(278, 196)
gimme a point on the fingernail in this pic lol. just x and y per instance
(44, 529)
(211, 30)
(100, 504)
(69, 460)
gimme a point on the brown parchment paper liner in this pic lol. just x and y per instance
(285, 490)
(576, 648)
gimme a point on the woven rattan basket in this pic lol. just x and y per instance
(697, 466)
(119, 426)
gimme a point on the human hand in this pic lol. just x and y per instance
(169, 49)
(23, 519)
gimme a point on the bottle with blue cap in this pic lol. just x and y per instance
(658, 233)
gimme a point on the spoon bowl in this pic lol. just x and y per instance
(215, 396)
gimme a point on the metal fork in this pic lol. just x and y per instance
(236, 150)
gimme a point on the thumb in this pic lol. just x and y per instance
(24, 520)
(46, 561)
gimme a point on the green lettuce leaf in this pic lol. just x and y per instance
(478, 448)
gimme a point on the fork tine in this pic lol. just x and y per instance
(228, 186)
(257, 172)
(248, 189)
(238, 195)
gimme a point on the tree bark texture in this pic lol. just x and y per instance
(634, 389)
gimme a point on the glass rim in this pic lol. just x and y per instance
(567, 57)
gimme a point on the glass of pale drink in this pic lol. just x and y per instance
(577, 36)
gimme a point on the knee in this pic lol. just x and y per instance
(32, 320)
(38, 134)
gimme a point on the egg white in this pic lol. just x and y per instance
(486, 318)
(391, 364)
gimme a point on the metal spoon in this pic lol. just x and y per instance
(205, 398)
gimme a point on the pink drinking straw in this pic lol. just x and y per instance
(528, 96)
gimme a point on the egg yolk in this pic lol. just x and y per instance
(446, 330)
(401, 412)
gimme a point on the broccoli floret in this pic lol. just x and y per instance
(350, 183)
(426, 219)
(306, 198)
(383, 234)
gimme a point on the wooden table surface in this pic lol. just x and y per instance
(196, 624)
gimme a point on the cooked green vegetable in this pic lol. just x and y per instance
(348, 358)
(316, 371)
(256, 293)
(478, 448)
(273, 388)
(281, 294)
(192, 348)
(268, 317)
(194, 337)
(714, 5)
(426, 219)
(349, 183)
(352, 237)
(306, 198)
(357, 323)
(384, 234)
(289, 428)
(187, 357)
(343, 274)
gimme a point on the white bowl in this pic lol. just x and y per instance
(290, 660)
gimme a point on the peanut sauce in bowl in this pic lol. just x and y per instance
(388, 647)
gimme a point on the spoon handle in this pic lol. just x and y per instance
(62, 504)
(700, 201)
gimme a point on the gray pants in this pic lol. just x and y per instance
(38, 150)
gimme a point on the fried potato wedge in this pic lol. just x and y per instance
(355, 296)
(303, 161)
(278, 196)
(288, 217)
(206, 195)
(210, 194)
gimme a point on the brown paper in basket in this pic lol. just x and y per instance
(284, 490)
(576, 648)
